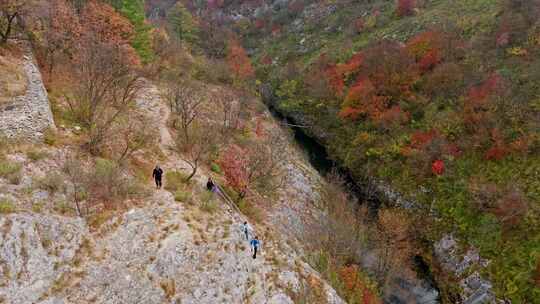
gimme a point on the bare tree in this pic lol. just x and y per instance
(231, 107)
(185, 102)
(196, 148)
(76, 176)
(134, 135)
(105, 93)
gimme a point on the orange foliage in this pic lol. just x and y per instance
(101, 21)
(238, 60)
(355, 286)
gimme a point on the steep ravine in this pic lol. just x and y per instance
(423, 289)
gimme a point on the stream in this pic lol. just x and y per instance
(422, 289)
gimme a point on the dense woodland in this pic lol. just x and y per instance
(438, 99)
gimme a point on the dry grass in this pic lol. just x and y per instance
(13, 81)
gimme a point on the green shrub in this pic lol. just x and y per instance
(11, 172)
(36, 155)
(6, 206)
(49, 136)
(174, 180)
(182, 196)
(215, 168)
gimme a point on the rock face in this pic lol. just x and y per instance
(35, 251)
(474, 289)
(29, 115)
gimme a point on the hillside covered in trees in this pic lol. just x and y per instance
(436, 100)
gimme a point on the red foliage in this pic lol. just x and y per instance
(266, 60)
(405, 7)
(234, 162)
(437, 167)
(496, 152)
(394, 115)
(488, 87)
(361, 90)
(452, 149)
(420, 140)
(238, 61)
(351, 66)
(426, 49)
(260, 23)
(511, 208)
(351, 113)
(335, 80)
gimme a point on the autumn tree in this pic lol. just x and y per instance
(105, 91)
(62, 33)
(255, 167)
(238, 61)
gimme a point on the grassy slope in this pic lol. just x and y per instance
(514, 253)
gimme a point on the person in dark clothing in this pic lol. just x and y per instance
(255, 246)
(158, 172)
(210, 184)
(246, 230)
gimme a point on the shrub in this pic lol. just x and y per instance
(36, 155)
(215, 168)
(37, 207)
(52, 182)
(11, 172)
(6, 206)
(109, 183)
(174, 180)
(49, 136)
(182, 196)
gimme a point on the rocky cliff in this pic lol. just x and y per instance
(27, 113)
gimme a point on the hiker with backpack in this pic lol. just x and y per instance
(255, 243)
(157, 174)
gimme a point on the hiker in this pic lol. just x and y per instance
(255, 245)
(158, 172)
(210, 185)
(245, 228)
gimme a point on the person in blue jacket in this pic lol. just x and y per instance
(255, 246)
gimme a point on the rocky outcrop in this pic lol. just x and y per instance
(35, 251)
(474, 289)
(27, 116)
